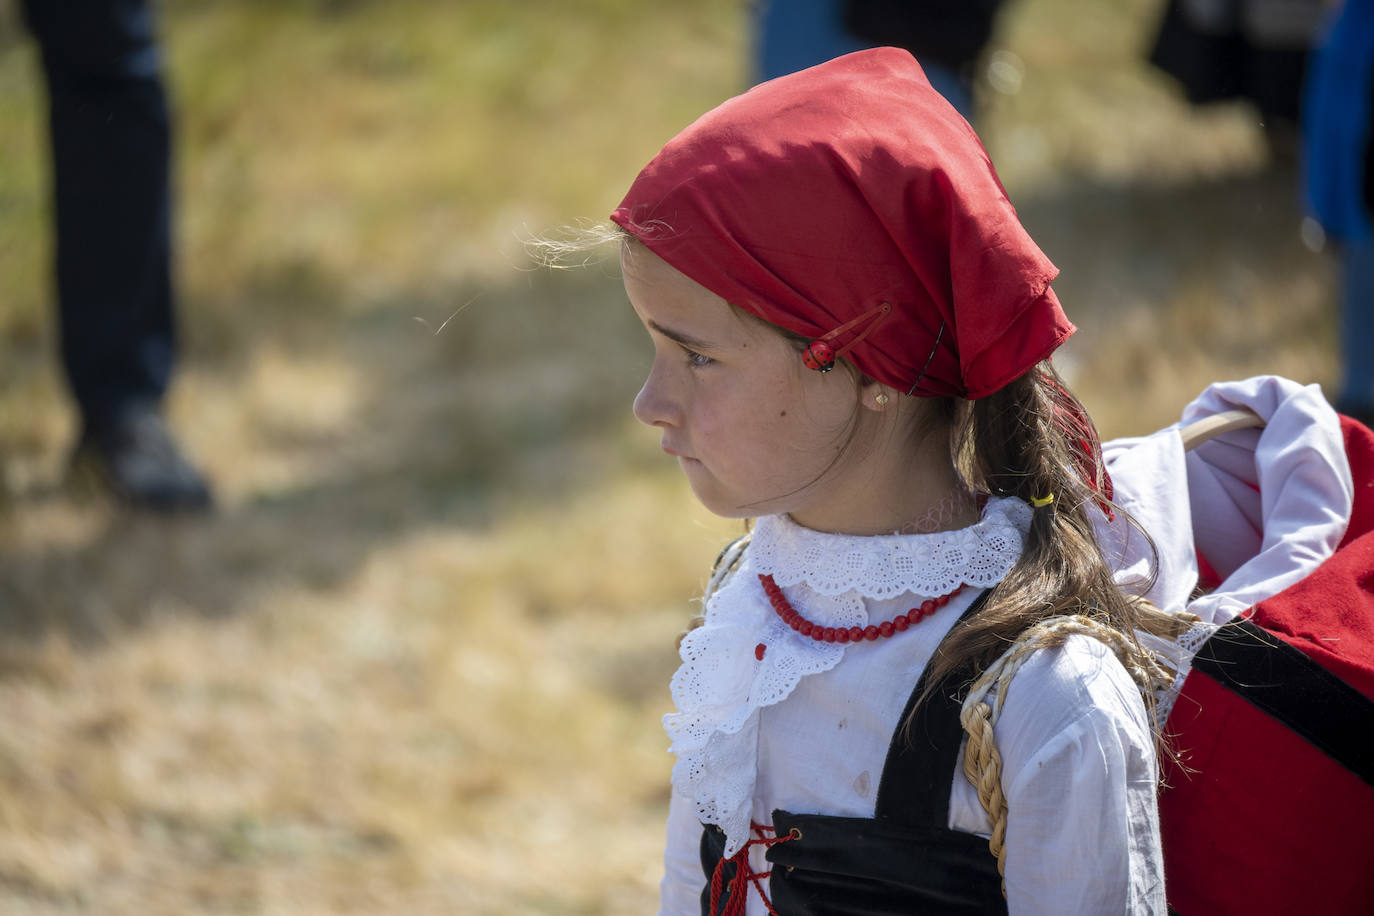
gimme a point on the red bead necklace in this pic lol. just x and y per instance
(883, 630)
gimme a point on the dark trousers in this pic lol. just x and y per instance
(111, 152)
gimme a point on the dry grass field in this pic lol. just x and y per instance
(415, 662)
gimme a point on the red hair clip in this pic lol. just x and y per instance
(820, 355)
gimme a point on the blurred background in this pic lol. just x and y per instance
(415, 659)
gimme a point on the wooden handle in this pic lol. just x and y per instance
(1200, 431)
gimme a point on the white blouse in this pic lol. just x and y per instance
(807, 727)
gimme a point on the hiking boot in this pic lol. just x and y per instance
(135, 457)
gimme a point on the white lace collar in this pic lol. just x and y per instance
(723, 683)
(886, 566)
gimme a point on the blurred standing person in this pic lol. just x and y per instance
(1338, 184)
(791, 35)
(110, 136)
(1242, 49)
(946, 36)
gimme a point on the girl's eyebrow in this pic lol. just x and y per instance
(687, 340)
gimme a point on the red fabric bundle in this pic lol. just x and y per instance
(1273, 808)
(815, 198)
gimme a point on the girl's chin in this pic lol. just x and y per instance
(715, 502)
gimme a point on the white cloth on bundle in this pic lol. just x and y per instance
(807, 728)
(1265, 506)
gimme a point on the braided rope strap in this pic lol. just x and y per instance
(982, 762)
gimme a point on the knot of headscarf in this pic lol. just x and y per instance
(816, 197)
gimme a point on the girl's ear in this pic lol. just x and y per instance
(876, 396)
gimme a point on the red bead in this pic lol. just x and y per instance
(841, 635)
(870, 633)
(819, 355)
(856, 634)
(759, 650)
(806, 628)
(828, 634)
(943, 600)
(927, 607)
(886, 628)
(900, 623)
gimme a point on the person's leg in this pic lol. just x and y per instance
(112, 199)
(791, 35)
(111, 151)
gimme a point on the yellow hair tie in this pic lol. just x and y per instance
(1041, 502)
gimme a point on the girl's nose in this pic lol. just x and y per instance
(654, 405)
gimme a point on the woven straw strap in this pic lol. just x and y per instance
(982, 762)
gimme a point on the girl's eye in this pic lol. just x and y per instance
(696, 360)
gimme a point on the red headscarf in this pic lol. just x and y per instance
(813, 199)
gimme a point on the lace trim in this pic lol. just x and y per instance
(890, 565)
(722, 683)
(1176, 654)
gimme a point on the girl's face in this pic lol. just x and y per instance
(755, 432)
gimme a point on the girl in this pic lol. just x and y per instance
(851, 335)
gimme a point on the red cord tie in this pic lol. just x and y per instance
(737, 894)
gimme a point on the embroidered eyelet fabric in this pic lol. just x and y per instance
(721, 684)
(892, 565)
(1178, 655)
